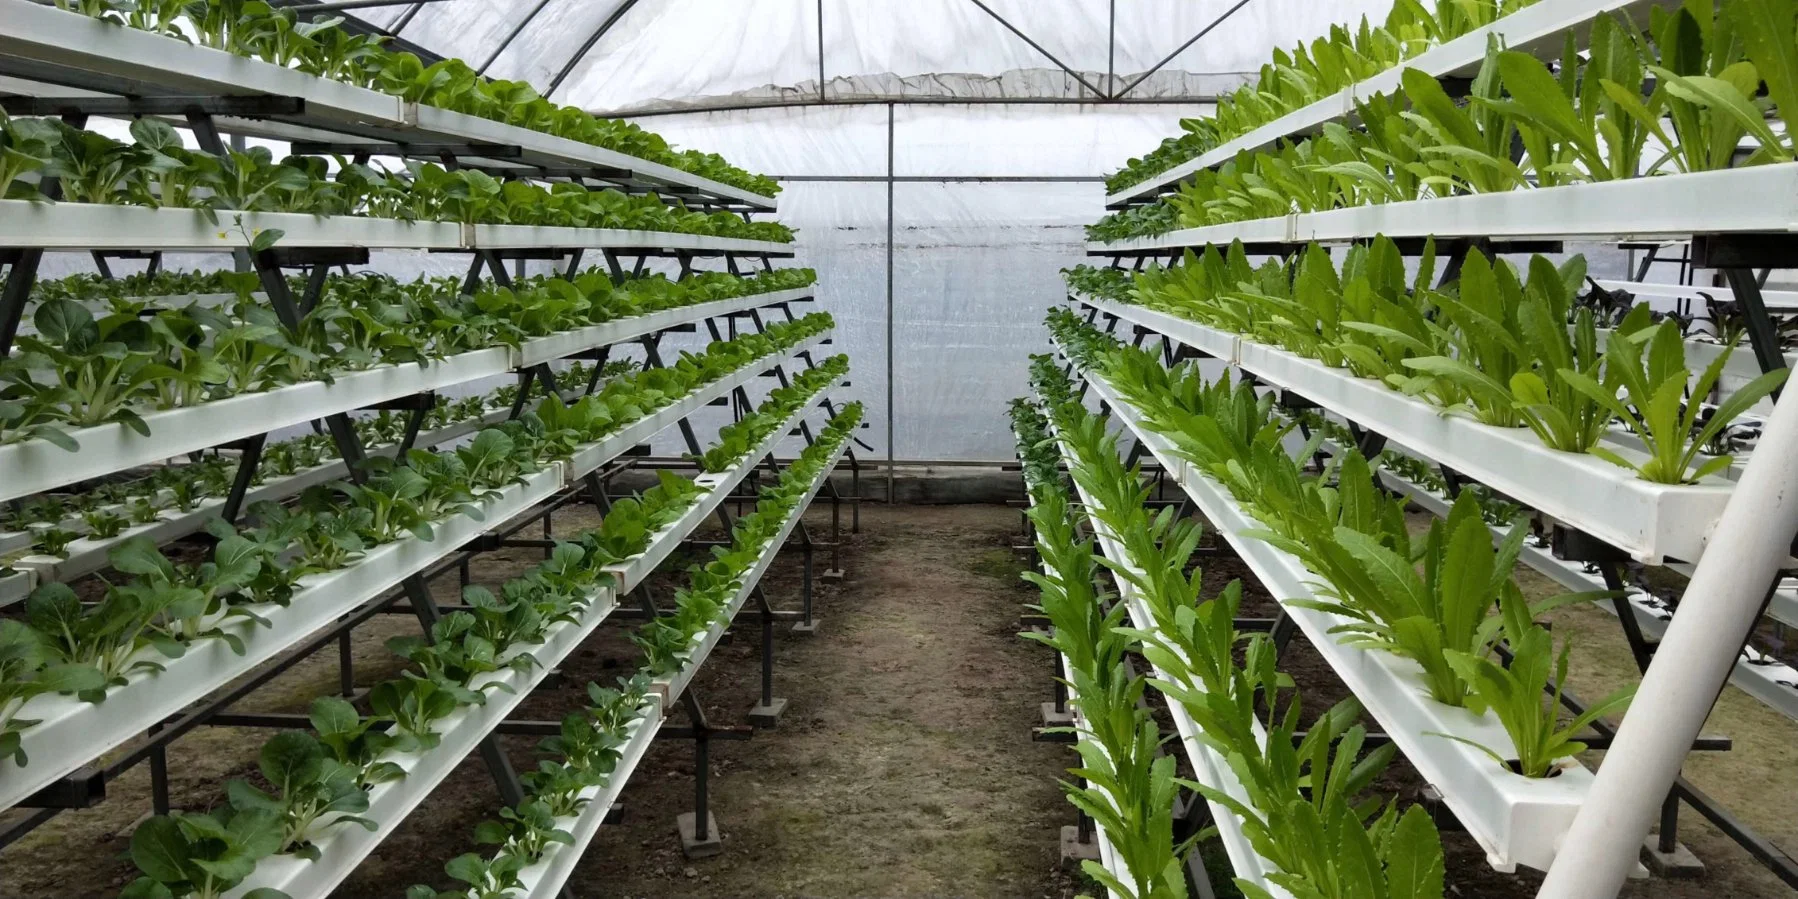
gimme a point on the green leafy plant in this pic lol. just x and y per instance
(1650, 365)
(1515, 694)
(311, 790)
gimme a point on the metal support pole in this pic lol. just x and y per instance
(159, 777)
(767, 611)
(890, 173)
(1752, 540)
(247, 463)
(346, 666)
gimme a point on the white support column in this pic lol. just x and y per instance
(1752, 539)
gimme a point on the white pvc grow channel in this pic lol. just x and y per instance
(545, 878)
(1537, 29)
(1210, 768)
(74, 226)
(70, 732)
(34, 31)
(557, 346)
(670, 686)
(1517, 820)
(343, 846)
(1651, 522)
(37, 465)
(1760, 198)
(717, 488)
(1762, 676)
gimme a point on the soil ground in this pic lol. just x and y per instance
(904, 764)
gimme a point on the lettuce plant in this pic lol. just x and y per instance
(1655, 381)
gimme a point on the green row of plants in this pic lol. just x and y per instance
(80, 370)
(163, 608)
(322, 47)
(1708, 75)
(1429, 598)
(1308, 73)
(92, 287)
(1308, 811)
(667, 640)
(579, 762)
(736, 439)
(1498, 511)
(1504, 347)
(320, 780)
(1124, 782)
(157, 171)
(108, 510)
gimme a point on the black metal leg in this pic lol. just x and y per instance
(346, 666)
(16, 294)
(1639, 647)
(524, 391)
(767, 611)
(349, 446)
(159, 777)
(415, 420)
(1763, 336)
(247, 462)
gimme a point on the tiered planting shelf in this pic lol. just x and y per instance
(1517, 820)
(69, 50)
(546, 878)
(1209, 767)
(71, 732)
(95, 226)
(1759, 199)
(1534, 29)
(1651, 522)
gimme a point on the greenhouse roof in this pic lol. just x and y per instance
(634, 57)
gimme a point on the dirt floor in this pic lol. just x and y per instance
(903, 766)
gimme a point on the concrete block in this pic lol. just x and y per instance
(805, 627)
(1073, 852)
(1680, 864)
(767, 716)
(691, 845)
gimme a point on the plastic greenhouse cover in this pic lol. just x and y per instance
(684, 50)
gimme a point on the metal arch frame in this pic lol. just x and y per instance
(1118, 95)
(359, 26)
(1099, 94)
(909, 101)
(574, 60)
(512, 36)
(1180, 49)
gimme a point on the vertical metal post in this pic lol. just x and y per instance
(1111, 50)
(702, 763)
(806, 581)
(346, 666)
(247, 463)
(890, 440)
(820, 51)
(159, 777)
(767, 649)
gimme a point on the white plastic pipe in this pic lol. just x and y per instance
(1753, 538)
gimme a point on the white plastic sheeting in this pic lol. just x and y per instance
(661, 52)
(975, 263)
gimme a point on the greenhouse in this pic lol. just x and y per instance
(1133, 449)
